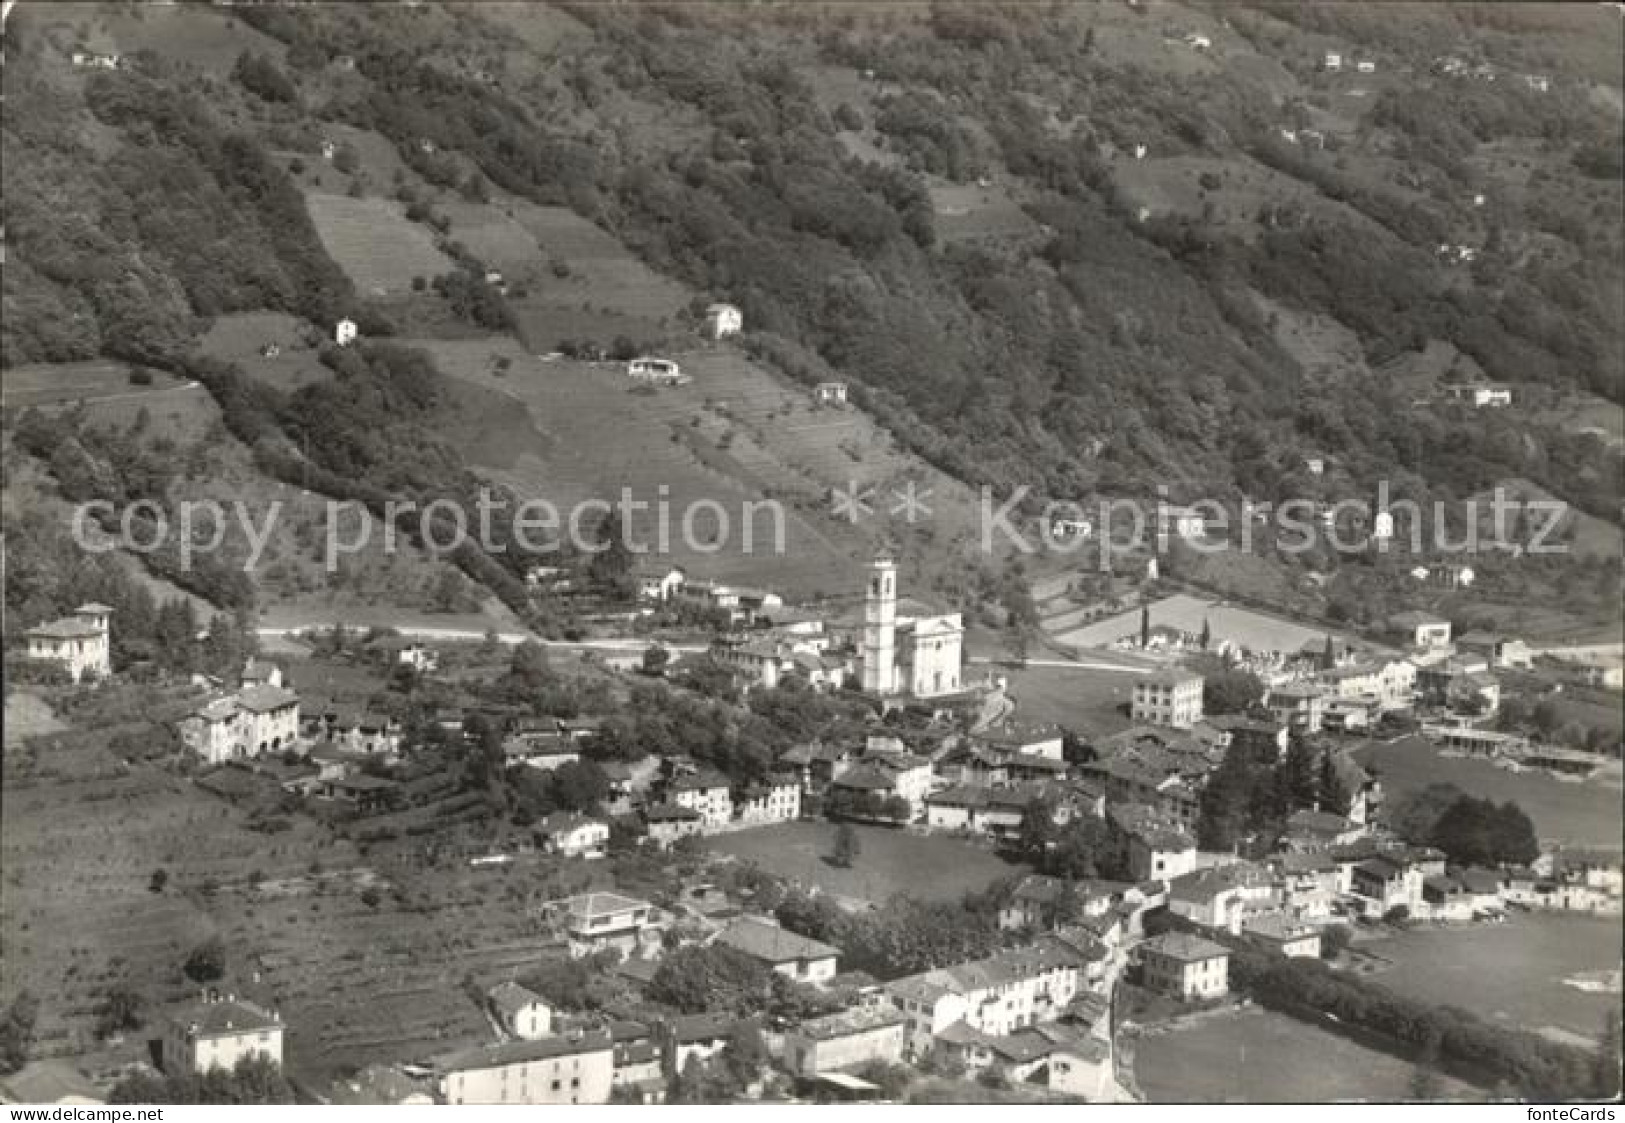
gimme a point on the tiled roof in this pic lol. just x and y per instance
(772, 944)
(214, 1019)
(510, 998)
(520, 1052)
(1185, 947)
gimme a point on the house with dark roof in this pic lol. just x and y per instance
(846, 1040)
(79, 643)
(791, 955)
(705, 792)
(573, 835)
(666, 823)
(1185, 966)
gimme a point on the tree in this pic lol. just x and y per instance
(1207, 634)
(120, 1010)
(1037, 831)
(17, 1032)
(1606, 1074)
(846, 846)
(1145, 626)
(529, 665)
(655, 658)
(1334, 939)
(1425, 1075)
(207, 961)
(159, 879)
(1231, 691)
(1334, 796)
(712, 978)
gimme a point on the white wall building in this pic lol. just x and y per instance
(80, 643)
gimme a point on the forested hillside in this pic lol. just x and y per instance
(1090, 248)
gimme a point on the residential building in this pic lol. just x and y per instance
(345, 332)
(1479, 395)
(774, 800)
(660, 371)
(598, 921)
(1299, 706)
(1185, 966)
(1172, 698)
(657, 582)
(722, 320)
(705, 793)
(1421, 629)
(997, 995)
(1283, 935)
(217, 1033)
(698, 1037)
(574, 835)
(667, 823)
(791, 955)
(846, 1040)
(257, 719)
(79, 643)
(831, 393)
(574, 1069)
(1384, 882)
(1221, 897)
(1180, 522)
(520, 1011)
(50, 1082)
(638, 1061)
(1500, 652)
(1153, 848)
(542, 749)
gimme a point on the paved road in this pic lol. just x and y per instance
(1071, 664)
(614, 644)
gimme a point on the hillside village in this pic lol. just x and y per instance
(886, 815)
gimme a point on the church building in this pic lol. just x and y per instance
(918, 656)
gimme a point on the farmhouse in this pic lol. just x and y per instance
(97, 61)
(723, 320)
(660, 371)
(1171, 698)
(1290, 938)
(574, 835)
(217, 1033)
(574, 1069)
(257, 719)
(1220, 896)
(1500, 651)
(831, 393)
(345, 332)
(1185, 966)
(846, 1040)
(1152, 846)
(1180, 522)
(520, 1011)
(795, 957)
(78, 643)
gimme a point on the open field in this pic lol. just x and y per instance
(593, 436)
(1513, 972)
(373, 242)
(191, 35)
(972, 213)
(1256, 1056)
(603, 273)
(51, 384)
(1580, 814)
(238, 338)
(1250, 629)
(28, 715)
(1091, 703)
(931, 867)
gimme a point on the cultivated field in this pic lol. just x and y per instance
(973, 213)
(1256, 1056)
(185, 34)
(1250, 629)
(930, 867)
(603, 273)
(1088, 702)
(1515, 972)
(374, 243)
(1579, 814)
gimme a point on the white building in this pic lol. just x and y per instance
(345, 332)
(1185, 966)
(831, 393)
(791, 955)
(257, 719)
(723, 320)
(996, 996)
(520, 1011)
(649, 369)
(913, 655)
(574, 835)
(1168, 697)
(775, 800)
(1480, 395)
(217, 1033)
(578, 1068)
(80, 643)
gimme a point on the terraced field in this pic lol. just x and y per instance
(373, 242)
